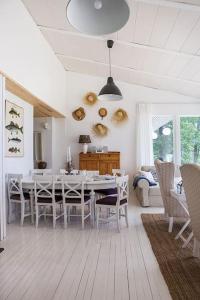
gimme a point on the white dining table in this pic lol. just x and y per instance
(91, 184)
(181, 198)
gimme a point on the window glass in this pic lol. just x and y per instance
(163, 138)
(190, 139)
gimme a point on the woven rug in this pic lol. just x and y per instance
(180, 269)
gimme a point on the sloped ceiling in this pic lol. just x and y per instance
(159, 47)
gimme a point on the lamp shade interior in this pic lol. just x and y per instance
(98, 17)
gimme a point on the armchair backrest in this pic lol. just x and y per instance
(165, 173)
(191, 183)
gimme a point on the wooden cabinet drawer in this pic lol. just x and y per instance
(111, 156)
(89, 156)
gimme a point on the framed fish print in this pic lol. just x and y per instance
(14, 130)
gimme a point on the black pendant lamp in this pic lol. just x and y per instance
(98, 17)
(110, 91)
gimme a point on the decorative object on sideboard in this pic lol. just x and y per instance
(90, 98)
(41, 164)
(105, 149)
(92, 149)
(98, 17)
(79, 114)
(14, 130)
(103, 112)
(85, 140)
(102, 149)
(110, 91)
(100, 129)
(120, 116)
(99, 149)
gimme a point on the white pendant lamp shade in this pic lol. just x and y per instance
(98, 17)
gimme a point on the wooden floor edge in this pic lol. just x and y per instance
(41, 109)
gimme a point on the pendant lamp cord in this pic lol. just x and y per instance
(110, 63)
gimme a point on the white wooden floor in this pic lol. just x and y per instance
(69, 264)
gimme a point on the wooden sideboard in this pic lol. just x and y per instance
(102, 162)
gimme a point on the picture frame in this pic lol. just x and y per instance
(14, 130)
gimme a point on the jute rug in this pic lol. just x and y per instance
(180, 269)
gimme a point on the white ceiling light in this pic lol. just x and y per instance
(98, 17)
(166, 131)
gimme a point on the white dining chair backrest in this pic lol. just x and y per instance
(73, 189)
(41, 172)
(92, 173)
(122, 188)
(44, 188)
(44, 177)
(76, 178)
(14, 184)
(122, 172)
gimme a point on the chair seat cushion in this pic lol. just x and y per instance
(107, 192)
(58, 198)
(77, 200)
(110, 201)
(18, 197)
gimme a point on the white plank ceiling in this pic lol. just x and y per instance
(159, 47)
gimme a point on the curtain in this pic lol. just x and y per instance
(144, 143)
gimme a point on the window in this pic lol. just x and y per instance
(190, 139)
(163, 137)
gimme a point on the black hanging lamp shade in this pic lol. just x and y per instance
(98, 17)
(110, 91)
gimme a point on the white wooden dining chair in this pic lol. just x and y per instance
(115, 203)
(46, 197)
(73, 191)
(17, 196)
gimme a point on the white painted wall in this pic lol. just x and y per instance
(47, 138)
(2, 162)
(59, 144)
(121, 138)
(27, 58)
(22, 165)
(54, 141)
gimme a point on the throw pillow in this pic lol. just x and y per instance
(148, 175)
